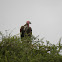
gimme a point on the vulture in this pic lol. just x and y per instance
(26, 30)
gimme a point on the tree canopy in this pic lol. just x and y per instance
(12, 49)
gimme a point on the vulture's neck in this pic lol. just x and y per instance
(28, 25)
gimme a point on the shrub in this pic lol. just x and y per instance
(12, 49)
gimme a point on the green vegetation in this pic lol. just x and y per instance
(12, 49)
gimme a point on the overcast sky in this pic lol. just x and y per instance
(45, 16)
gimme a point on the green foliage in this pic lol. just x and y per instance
(13, 49)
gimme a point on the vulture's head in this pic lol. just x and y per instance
(28, 22)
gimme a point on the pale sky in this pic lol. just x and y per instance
(45, 16)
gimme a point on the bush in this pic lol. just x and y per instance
(12, 49)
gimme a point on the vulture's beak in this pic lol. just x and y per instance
(30, 23)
